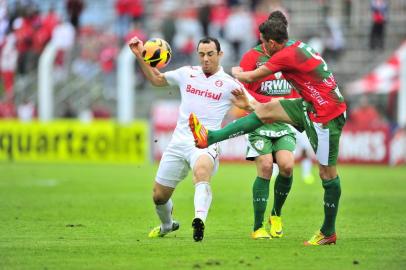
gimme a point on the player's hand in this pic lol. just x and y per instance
(136, 46)
(240, 99)
(236, 70)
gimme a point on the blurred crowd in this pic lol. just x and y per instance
(84, 50)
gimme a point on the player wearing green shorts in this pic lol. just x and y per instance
(321, 112)
(269, 143)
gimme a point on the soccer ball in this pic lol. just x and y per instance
(157, 53)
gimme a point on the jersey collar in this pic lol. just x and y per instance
(219, 72)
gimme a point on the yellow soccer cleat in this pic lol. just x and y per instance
(276, 226)
(320, 239)
(199, 131)
(261, 233)
(157, 232)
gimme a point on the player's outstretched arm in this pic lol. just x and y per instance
(152, 74)
(250, 76)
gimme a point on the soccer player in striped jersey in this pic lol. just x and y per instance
(320, 112)
(269, 143)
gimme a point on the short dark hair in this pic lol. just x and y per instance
(207, 40)
(275, 30)
(278, 15)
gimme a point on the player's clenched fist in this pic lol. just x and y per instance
(136, 46)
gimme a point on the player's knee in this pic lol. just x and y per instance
(261, 112)
(265, 111)
(327, 174)
(286, 168)
(159, 198)
(201, 173)
(265, 169)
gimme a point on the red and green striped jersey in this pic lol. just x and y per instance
(308, 73)
(273, 85)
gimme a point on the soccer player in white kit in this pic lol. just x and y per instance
(205, 90)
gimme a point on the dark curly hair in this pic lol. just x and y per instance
(274, 29)
(278, 15)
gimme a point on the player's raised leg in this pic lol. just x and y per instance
(163, 207)
(202, 171)
(204, 137)
(264, 112)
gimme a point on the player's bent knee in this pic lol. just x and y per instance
(327, 174)
(159, 199)
(202, 173)
(286, 169)
(265, 169)
(160, 196)
(265, 111)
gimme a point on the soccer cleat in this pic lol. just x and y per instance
(198, 229)
(261, 233)
(199, 131)
(276, 226)
(319, 239)
(157, 232)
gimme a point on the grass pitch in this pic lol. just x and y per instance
(98, 217)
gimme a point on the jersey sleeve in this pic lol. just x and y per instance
(279, 62)
(248, 63)
(173, 77)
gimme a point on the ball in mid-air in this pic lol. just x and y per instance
(157, 53)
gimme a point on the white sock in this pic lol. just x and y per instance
(202, 200)
(164, 212)
(306, 167)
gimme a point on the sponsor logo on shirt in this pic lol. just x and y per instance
(203, 93)
(273, 134)
(315, 94)
(275, 87)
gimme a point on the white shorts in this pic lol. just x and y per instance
(177, 160)
(303, 145)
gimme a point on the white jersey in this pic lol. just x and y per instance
(208, 97)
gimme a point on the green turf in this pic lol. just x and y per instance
(97, 217)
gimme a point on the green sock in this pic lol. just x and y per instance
(260, 195)
(281, 191)
(332, 192)
(238, 127)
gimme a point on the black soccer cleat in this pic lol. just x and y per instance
(198, 229)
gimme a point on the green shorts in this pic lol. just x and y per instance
(269, 139)
(324, 138)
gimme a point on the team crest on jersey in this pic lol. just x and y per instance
(219, 83)
(259, 144)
